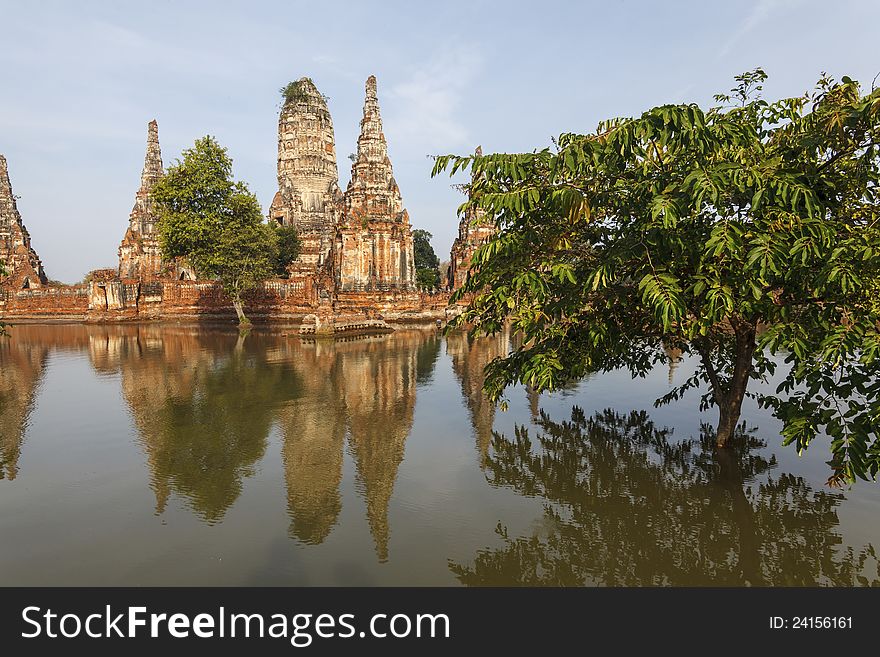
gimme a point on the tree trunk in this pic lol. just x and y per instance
(728, 417)
(243, 321)
(730, 401)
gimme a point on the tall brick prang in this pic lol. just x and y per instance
(375, 244)
(23, 267)
(139, 253)
(308, 180)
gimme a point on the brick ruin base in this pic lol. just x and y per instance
(110, 299)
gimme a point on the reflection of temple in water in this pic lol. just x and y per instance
(23, 358)
(380, 396)
(469, 357)
(313, 426)
(21, 369)
(367, 390)
(623, 503)
(203, 403)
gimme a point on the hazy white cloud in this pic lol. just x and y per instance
(761, 11)
(46, 127)
(193, 58)
(429, 104)
(337, 66)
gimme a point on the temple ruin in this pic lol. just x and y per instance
(23, 267)
(355, 271)
(361, 239)
(375, 243)
(139, 253)
(308, 179)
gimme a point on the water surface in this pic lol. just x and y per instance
(175, 454)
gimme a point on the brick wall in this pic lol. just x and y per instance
(118, 300)
(51, 302)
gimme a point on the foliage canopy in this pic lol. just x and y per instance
(426, 261)
(289, 246)
(735, 233)
(214, 222)
(295, 92)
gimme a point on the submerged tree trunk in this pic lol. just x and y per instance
(243, 321)
(728, 416)
(730, 397)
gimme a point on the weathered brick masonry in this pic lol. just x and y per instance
(356, 268)
(23, 267)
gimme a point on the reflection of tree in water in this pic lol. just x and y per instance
(204, 404)
(627, 507)
(21, 369)
(427, 354)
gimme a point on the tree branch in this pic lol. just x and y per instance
(710, 371)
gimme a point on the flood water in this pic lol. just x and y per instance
(183, 455)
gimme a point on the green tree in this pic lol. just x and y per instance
(736, 233)
(289, 246)
(215, 223)
(426, 261)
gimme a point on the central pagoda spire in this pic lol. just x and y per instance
(372, 146)
(375, 248)
(373, 192)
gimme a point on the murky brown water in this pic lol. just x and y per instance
(161, 455)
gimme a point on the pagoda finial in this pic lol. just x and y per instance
(153, 158)
(371, 142)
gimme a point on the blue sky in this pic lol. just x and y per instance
(81, 80)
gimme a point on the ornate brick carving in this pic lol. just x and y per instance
(139, 252)
(308, 180)
(375, 244)
(23, 267)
